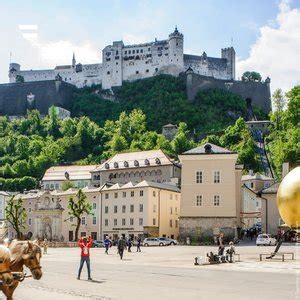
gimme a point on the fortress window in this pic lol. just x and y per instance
(136, 72)
(117, 52)
(108, 59)
(137, 51)
(108, 73)
(156, 69)
(133, 51)
(149, 49)
(141, 50)
(176, 44)
(125, 52)
(175, 54)
(166, 54)
(159, 54)
(117, 57)
(129, 51)
(147, 71)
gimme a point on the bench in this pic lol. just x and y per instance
(198, 258)
(282, 254)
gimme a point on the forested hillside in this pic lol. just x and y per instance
(163, 99)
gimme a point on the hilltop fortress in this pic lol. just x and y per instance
(131, 62)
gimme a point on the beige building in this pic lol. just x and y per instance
(146, 208)
(153, 165)
(143, 209)
(80, 176)
(210, 191)
(251, 204)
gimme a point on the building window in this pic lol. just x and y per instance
(106, 196)
(125, 52)
(216, 200)
(154, 208)
(176, 197)
(141, 221)
(123, 222)
(123, 208)
(171, 223)
(132, 194)
(115, 209)
(29, 209)
(176, 211)
(251, 185)
(83, 221)
(108, 73)
(136, 72)
(29, 221)
(154, 222)
(115, 222)
(156, 69)
(131, 221)
(124, 194)
(141, 207)
(106, 209)
(141, 193)
(106, 222)
(133, 51)
(176, 223)
(131, 208)
(154, 193)
(94, 220)
(199, 177)
(149, 49)
(171, 196)
(147, 70)
(116, 195)
(217, 176)
(94, 205)
(199, 200)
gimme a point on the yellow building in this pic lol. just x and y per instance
(210, 191)
(145, 208)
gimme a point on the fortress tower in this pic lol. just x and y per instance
(12, 73)
(176, 49)
(229, 54)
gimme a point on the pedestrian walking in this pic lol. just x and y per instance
(85, 245)
(129, 243)
(107, 244)
(45, 246)
(121, 246)
(138, 245)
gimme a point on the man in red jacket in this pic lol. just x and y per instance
(85, 245)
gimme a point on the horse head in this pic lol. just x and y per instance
(30, 254)
(5, 273)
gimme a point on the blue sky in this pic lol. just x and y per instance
(88, 26)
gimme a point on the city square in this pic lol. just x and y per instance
(165, 273)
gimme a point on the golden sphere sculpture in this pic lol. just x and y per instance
(288, 199)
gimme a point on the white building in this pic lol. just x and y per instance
(131, 62)
(79, 176)
(4, 196)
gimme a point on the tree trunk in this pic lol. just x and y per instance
(77, 229)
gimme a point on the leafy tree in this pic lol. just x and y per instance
(67, 184)
(19, 78)
(16, 215)
(78, 206)
(251, 76)
(53, 123)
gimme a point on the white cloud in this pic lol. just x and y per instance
(276, 51)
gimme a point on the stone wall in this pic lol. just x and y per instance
(258, 92)
(13, 96)
(206, 226)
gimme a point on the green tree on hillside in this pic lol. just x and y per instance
(251, 76)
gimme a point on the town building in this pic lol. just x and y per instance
(143, 209)
(210, 192)
(133, 209)
(4, 197)
(131, 62)
(152, 165)
(251, 204)
(79, 176)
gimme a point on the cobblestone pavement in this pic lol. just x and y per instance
(165, 273)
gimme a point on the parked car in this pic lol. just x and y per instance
(168, 241)
(98, 244)
(265, 240)
(153, 242)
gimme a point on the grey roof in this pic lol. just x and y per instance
(213, 62)
(271, 189)
(256, 176)
(214, 150)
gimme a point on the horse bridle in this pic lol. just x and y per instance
(36, 268)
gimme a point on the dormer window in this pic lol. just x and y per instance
(116, 165)
(157, 161)
(207, 148)
(147, 163)
(136, 163)
(126, 164)
(106, 166)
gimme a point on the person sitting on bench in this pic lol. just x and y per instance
(230, 252)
